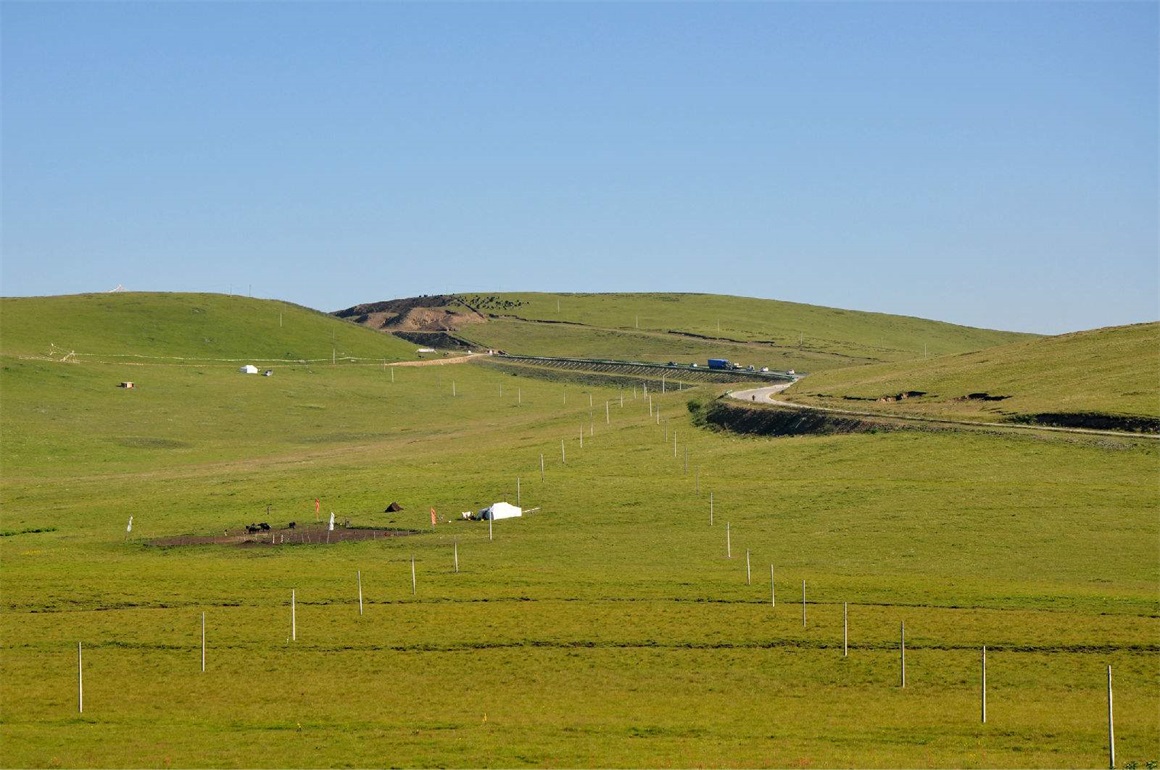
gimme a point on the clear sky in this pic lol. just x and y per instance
(985, 163)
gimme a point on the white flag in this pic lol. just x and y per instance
(332, 520)
(130, 527)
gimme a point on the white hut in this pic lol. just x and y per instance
(249, 369)
(500, 511)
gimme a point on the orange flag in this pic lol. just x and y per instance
(432, 517)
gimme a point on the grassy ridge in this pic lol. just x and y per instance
(571, 341)
(184, 326)
(607, 629)
(1112, 371)
(793, 326)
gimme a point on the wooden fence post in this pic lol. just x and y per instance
(1111, 727)
(983, 685)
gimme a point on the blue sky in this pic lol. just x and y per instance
(985, 163)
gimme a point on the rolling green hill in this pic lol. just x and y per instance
(680, 327)
(1113, 372)
(780, 326)
(177, 326)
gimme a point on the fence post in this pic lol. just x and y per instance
(983, 685)
(803, 603)
(1111, 728)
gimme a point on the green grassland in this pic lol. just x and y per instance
(176, 327)
(608, 628)
(569, 341)
(818, 333)
(1113, 371)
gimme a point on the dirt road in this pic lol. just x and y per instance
(440, 361)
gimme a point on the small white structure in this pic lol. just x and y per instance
(501, 511)
(421, 351)
(249, 369)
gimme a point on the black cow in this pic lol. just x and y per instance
(293, 524)
(265, 527)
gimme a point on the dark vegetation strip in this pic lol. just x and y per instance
(29, 531)
(440, 339)
(775, 420)
(78, 606)
(1091, 421)
(581, 377)
(783, 421)
(474, 645)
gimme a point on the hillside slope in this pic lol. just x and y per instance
(660, 327)
(1070, 379)
(183, 326)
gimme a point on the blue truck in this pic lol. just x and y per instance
(718, 363)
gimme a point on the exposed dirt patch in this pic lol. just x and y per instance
(902, 396)
(441, 361)
(438, 313)
(427, 319)
(314, 534)
(981, 397)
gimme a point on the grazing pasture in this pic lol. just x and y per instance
(825, 333)
(608, 628)
(1113, 372)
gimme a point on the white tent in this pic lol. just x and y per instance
(500, 511)
(249, 369)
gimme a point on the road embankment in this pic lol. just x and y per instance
(758, 411)
(775, 420)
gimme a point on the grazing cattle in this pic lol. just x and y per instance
(265, 527)
(292, 525)
(253, 529)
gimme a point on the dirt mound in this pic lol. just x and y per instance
(430, 319)
(438, 313)
(398, 306)
(315, 534)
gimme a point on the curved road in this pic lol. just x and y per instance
(765, 395)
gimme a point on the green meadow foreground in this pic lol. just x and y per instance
(630, 621)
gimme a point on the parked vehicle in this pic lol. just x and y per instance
(718, 363)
